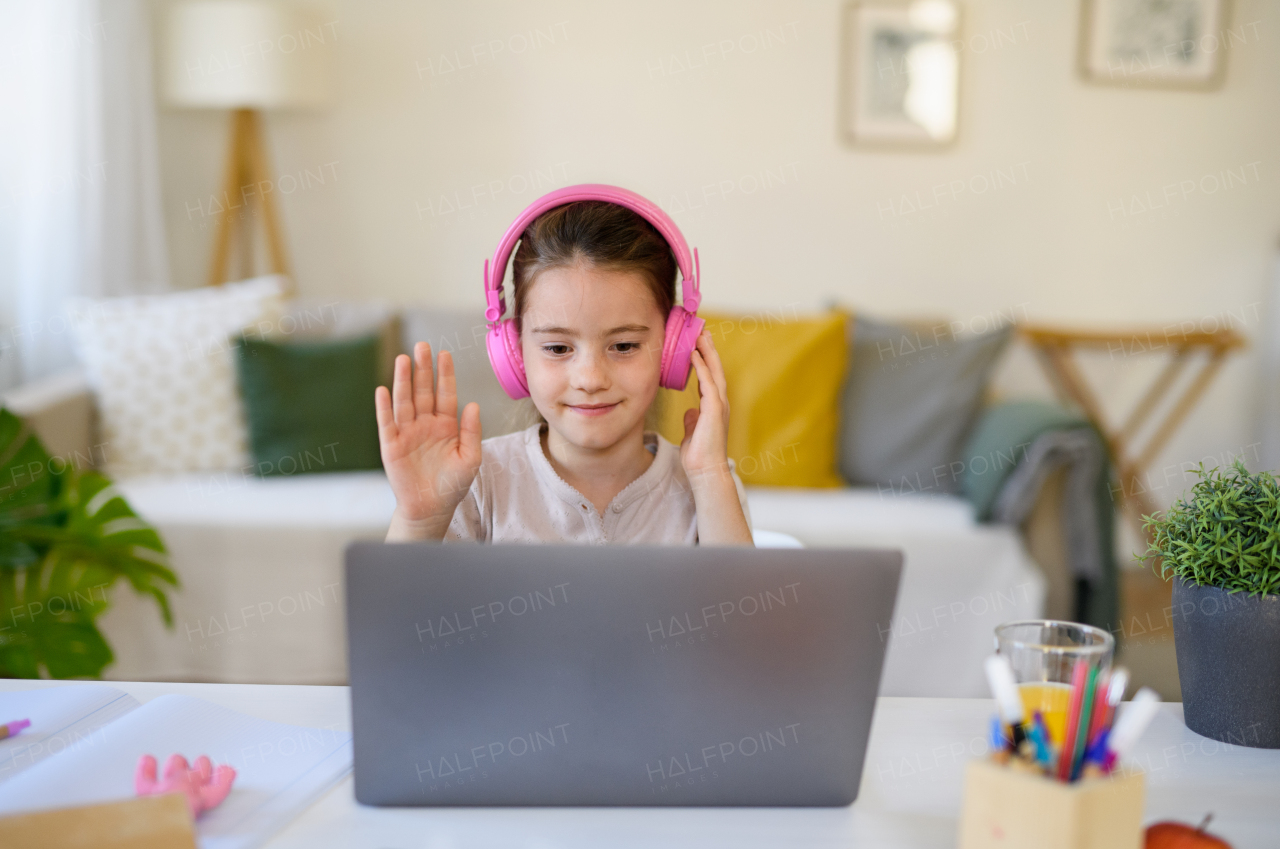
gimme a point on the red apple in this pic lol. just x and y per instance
(1177, 835)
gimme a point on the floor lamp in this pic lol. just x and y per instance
(246, 56)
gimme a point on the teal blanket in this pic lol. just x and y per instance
(1005, 437)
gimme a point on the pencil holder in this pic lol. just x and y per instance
(1008, 809)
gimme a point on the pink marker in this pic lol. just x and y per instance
(12, 728)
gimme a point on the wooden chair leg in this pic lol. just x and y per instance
(1151, 398)
(1181, 408)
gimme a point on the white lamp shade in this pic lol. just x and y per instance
(246, 54)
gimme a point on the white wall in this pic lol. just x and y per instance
(602, 98)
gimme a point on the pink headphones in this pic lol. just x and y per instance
(683, 324)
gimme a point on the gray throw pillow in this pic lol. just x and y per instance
(461, 332)
(909, 400)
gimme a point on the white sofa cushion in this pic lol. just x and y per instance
(831, 516)
(364, 499)
(241, 500)
(163, 373)
(261, 566)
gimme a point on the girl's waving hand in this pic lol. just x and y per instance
(429, 456)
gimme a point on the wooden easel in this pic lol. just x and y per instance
(1055, 348)
(248, 180)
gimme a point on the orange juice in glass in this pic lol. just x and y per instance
(1044, 654)
(1050, 699)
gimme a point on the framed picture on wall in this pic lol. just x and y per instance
(1166, 43)
(900, 73)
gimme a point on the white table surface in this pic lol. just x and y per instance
(910, 797)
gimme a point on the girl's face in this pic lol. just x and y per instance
(592, 344)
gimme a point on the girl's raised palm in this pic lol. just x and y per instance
(429, 456)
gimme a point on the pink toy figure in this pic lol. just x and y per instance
(204, 786)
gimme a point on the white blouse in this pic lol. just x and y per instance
(517, 496)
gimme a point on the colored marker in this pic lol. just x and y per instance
(11, 728)
(1132, 722)
(1115, 694)
(1098, 712)
(1039, 737)
(1086, 717)
(1005, 690)
(1097, 751)
(998, 741)
(1079, 677)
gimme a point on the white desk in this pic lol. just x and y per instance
(910, 797)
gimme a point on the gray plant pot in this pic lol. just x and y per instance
(1229, 663)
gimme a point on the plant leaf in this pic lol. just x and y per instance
(66, 537)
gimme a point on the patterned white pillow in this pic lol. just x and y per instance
(163, 372)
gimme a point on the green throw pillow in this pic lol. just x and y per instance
(310, 404)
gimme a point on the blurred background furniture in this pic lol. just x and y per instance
(1181, 347)
(260, 557)
(1193, 355)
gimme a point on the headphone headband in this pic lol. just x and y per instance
(496, 269)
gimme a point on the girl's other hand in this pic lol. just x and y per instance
(430, 458)
(704, 452)
(705, 447)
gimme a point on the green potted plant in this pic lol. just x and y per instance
(66, 537)
(1221, 546)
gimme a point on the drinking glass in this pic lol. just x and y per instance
(1044, 654)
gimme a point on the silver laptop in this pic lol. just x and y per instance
(633, 675)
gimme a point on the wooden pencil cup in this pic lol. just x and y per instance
(1008, 809)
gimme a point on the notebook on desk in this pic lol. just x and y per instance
(85, 740)
(636, 675)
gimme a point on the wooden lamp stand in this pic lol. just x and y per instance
(248, 181)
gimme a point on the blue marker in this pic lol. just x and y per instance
(1097, 751)
(1039, 737)
(998, 740)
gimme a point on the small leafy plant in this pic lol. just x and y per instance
(1227, 535)
(66, 536)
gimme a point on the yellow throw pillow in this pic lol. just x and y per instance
(784, 374)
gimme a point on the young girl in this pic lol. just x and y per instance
(593, 284)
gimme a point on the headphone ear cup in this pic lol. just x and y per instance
(503, 344)
(683, 329)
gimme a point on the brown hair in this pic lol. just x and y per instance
(601, 233)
